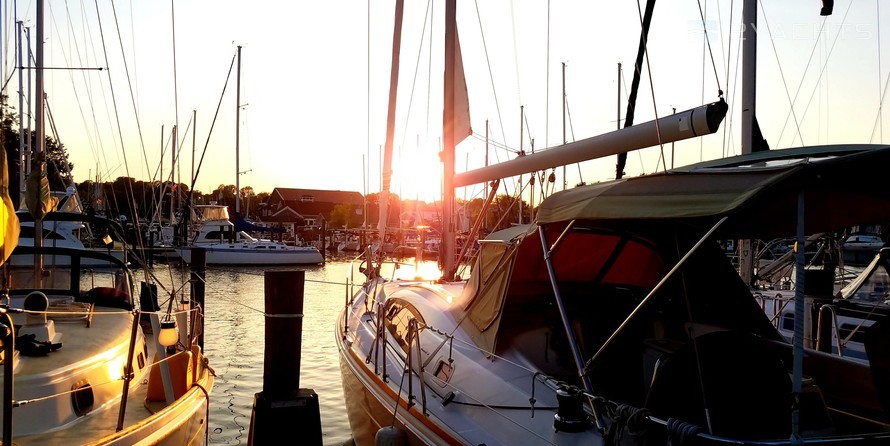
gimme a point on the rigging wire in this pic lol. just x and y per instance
(727, 134)
(652, 90)
(117, 116)
(727, 56)
(822, 72)
(782, 73)
(880, 104)
(427, 14)
(572, 131)
(490, 76)
(175, 83)
(734, 91)
(188, 198)
(710, 51)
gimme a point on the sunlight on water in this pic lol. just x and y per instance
(235, 342)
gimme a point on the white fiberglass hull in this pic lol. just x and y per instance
(485, 401)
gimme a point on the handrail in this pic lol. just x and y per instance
(8, 373)
(834, 328)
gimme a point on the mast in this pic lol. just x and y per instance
(23, 169)
(749, 93)
(565, 180)
(237, 142)
(40, 147)
(390, 122)
(635, 83)
(521, 152)
(173, 187)
(448, 267)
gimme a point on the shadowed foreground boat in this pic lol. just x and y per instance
(617, 319)
(86, 371)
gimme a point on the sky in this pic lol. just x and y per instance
(315, 80)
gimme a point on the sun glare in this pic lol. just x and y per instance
(419, 175)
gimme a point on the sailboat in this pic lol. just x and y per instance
(599, 324)
(66, 226)
(224, 242)
(86, 361)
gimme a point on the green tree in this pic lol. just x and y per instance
(341, 215)
(58, 167)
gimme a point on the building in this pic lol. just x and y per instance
(302, 210)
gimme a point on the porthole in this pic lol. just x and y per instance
(444, 371)
(82, 398)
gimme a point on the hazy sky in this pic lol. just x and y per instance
(314, 107)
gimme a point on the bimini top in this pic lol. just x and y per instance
(843, 185)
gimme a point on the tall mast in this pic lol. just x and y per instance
(23, 169)
(565, 179)
(635, 82)
(448, 266)
(749, 93)
(40, 147)
(390, 122)
(237, 142)
(173, 187)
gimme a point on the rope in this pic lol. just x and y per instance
(630, 420)
(681, 433)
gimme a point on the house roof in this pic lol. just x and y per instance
(318, 195)
(285, 215)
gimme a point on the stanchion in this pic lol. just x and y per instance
(198, 268)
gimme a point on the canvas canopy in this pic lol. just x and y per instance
(842, 186)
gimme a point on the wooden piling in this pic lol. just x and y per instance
(283, 408)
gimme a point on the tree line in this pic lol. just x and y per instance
(152, 201)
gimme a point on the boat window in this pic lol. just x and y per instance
(82, 398)
(398, 314)
(444, 371)
(788, 321)
(28, 232)
(216, 235)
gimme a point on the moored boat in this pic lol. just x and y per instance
(605, 308)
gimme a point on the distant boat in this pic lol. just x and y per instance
(859, 249)
(214, 232)
(67, 227)
(847, 315)
(225, 245)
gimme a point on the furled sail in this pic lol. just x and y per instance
(9, 226)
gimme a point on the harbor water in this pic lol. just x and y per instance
(235, 342)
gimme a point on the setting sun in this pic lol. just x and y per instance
(418, 174)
